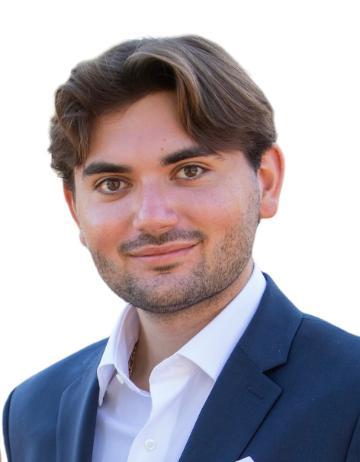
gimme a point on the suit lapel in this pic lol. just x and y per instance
(77, 416)
(237, 405)
(243, 395)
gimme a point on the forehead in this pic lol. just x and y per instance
(148, 127)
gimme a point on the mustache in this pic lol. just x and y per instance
(175, 235)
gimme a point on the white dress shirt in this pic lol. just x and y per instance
(135, 425)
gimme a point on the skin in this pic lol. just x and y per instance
(170, 226)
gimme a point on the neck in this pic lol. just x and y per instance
(162, 334)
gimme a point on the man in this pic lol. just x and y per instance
(168, 157)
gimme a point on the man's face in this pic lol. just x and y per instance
(168, 223)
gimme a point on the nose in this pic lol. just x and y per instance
(154, 211)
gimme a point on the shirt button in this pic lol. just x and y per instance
(150, 444)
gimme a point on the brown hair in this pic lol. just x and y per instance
(219, 105)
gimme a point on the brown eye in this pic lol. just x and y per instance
(190, 171)
(111, 185)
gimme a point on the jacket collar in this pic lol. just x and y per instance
(243, 395)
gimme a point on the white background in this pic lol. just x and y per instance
(304, 55)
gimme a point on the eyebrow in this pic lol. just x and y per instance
(105, 167)
(172, 158)
(187, 153)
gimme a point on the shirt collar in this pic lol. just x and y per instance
(117, 351)
(208, 349)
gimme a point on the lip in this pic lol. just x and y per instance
(162, 252)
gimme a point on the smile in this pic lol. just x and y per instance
(162, 253)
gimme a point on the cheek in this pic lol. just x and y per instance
(215, 209)
(102, 227)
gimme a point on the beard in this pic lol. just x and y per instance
(168, 291)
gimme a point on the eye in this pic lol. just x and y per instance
(111, 185)
(189, 172)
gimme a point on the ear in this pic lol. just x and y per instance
(270, 178)
(70, 200)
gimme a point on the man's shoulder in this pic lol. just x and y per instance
(309, 333)
(60, 374)
(31, 411)
(324, 339)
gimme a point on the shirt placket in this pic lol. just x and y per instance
(167, 383)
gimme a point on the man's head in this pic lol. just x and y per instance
(168, 168)
(218, 104)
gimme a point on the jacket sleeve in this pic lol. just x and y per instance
(353, 454)
(6, 416)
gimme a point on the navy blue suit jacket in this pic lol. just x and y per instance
(290, 392)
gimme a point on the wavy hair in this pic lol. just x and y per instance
(219, 105)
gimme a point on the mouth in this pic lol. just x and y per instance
(162, 253)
